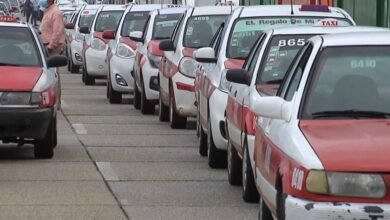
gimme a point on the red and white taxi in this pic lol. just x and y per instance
(121, 50)
(262, 76)
(29, 89)
(161, 24)
(177, 71)
(75, 39)
(95, 46)
(239, 35)
(321, 143)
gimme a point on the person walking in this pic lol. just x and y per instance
(35, 11)
(41, 9)
(28, 8)
(52, 28)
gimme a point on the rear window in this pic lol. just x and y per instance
(108, 20)
(246, 31)
(200, 30)
(86, 18)
(18, 47)
(164, 25)
(134, 21)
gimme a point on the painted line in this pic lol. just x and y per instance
(108, 173)
(80, 129)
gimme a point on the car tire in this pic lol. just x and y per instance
(176, 121)
(234, 166)
(202, 142)
(88, 80)
(264, 212)
(147, 107)
(43, 148)
(73, 68)
(114, 97)
(137, 97)
(54, 133)
(216, 158)
(163, 110)
(249, 190)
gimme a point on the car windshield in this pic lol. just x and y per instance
(350, 80)
(246, 31)
(18, 47)
(164, 25)
(86, 18)
(14, 3)
(200, 30)
(6, 3)
(108, 20)
(279, 54)
(134, 21)
(3, 7)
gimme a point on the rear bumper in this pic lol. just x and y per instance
(26, 123)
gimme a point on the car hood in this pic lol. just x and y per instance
(350, 145)
(19, 78)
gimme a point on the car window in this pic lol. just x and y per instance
(108, 20)
(18, 47)
(86, 18)
(134, 21)
(164, 24)
(177, 31)
(253, 57)
(353, 78)
(200, 30)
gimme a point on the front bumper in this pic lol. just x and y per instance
(26, 123)
(123, 67)
(217, 106)
(308, 210)
(149, 75)
(95, 61)
(183, 87)
(76, 48)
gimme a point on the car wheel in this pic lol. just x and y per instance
(202, 142)
(68, 64)
(175, 119)
(234, 165)
(163, 110)
(147, 107)
(88, 80)
(137, 97)
(264, 212)
(249, 191)
(43, 148)
(54, 133)
(217, 158)
(114, 97)
(73, 68)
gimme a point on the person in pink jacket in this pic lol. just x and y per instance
(52, 28)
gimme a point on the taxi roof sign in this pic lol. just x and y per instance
(318, 8)
(330, 22)
(7, 18)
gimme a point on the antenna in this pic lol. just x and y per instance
(292, 8)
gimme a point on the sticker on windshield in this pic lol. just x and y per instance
(202, 18)
(363, 63)
(291, 42)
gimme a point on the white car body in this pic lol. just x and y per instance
(145, 73)
(177, 89)
(95, 65)
(290, 146)
(120, 75)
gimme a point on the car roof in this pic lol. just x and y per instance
(211, 10)
(114, 8)
(324, 30)
(285, 10)
(145, 7)
(354, 39)
(175, 10)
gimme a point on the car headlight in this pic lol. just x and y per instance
(154, 60)
(124, 51)
(346, 184)
(79, 37)
(187, 66)
(224, 84)
(98, 44)
(20, 98)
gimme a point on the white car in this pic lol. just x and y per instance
(263, 73)
(95, 46)
(75, 40)
(322, 143)
(240, 33)
(121, 51)
(148, 56)
(177, 70)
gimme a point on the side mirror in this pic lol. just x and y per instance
(205, 55)
(240, 76)
(136, 36)
(166, 45)
(109, 34)
(273, 107)
(57, 61)
(84, 30)
(69, 26)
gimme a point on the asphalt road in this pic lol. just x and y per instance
(112, 162)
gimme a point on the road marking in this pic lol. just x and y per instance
(108, 173)
(80, 129)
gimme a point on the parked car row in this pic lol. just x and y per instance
(291, 99)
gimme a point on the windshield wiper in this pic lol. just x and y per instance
(351, 113)
(9, 64)
(276, 81)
